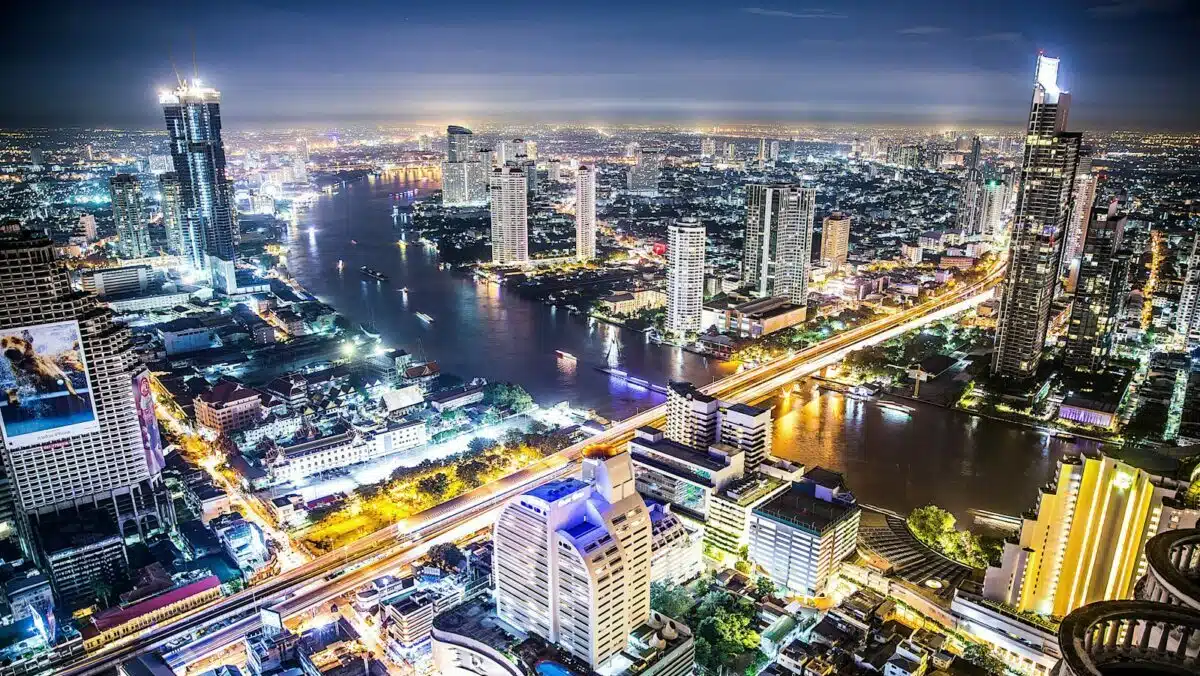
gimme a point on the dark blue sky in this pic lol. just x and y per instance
(1129, 63)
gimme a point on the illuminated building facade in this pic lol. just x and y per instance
(685, 276)
(969, 218)
(572, 560)
(1084, 540)
(1102, 285)
(835, 240)
(129, 216)
(1081, 210)
(777, 247)
(585, 213)
(643, 176)
(1187, 322)
(193, 116)
(510, 225)
(1035, 250)
(171, 202)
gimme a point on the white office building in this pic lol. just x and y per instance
(644, 175)
(798, 536)
(685, 276)
(585, 213)
(510, 225)
(677, 552)
(572, 560)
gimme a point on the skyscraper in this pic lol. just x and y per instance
(835, 240)
(773, 151)
(193, 115)
(459, 143)
(685, 276)
(510, 226)
(585, 213)
(1081, 209)
(708, 148)
(1100, 292)
(572, 560)
(1187, 322)
(129, 216)
(969, 219)
(1084, 541)
(730, 151)
(171, 201)
(466, 169)
(1035, 250)
(643, 176)
(994, 198)
(777, 247)
(97, 453)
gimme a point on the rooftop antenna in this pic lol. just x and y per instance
(195, 72)
(171, 58)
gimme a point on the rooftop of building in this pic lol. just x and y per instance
(798, 507)
(751, 488)
(228, 392)
(747, 409)
(826, 477)
(556, 490)
(673, 449)
(690, 391)
(887, 543)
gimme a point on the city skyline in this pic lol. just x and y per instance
(860, 63)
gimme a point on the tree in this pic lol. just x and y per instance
(435, 485)
(982, 656)
(669, 599)
(101, 590)
(765, 586)
(447, 556)
(930, 523)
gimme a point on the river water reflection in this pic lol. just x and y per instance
(890, 459)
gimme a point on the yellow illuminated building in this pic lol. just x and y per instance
(1084, 540)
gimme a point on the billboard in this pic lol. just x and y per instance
(143, 400)
(45, 392)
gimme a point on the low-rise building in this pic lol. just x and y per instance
(753, 318)
(116, 623)
(677, 553)
(228, 407)
(685, 477)
(183, 335)
(727, 529)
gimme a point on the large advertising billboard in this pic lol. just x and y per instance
(45, 391)
(143, 400)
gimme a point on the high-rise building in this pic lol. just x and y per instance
(1085, 539)
(1082, 201)
(585, 213)
(644, 174)
(299, 170)
(79, 442)
(1100, 292)
(1187, 322)
(708, 148)
(698, 420)
(685, 276)
(799, 536)
(762, 151)
(37, 158)
(466, 169)
(529, 166)
(171, 202)
(777, 248)
(730, 151)
(129, 216)
(969, 218)
(459, 143)
(773, 151)
(572, 560)
(510, 225)
(994, 199)
(87, 225)
(835, 240)
(193, 115)
(693, 418)
(1035, 249)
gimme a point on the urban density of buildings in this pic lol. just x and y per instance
(678, 439)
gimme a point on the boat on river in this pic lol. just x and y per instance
(373, 274)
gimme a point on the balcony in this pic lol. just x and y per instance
(1130, 637)
(1173, 569)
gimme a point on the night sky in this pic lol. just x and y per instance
(1128, 63)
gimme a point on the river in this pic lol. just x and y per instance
(890, 459)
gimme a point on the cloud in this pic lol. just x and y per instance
(921, 30)
(812, 13)
(1127, 8)
(1003, 36)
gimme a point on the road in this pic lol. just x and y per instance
(295, 590)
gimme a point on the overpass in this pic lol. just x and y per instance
(294, 591)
